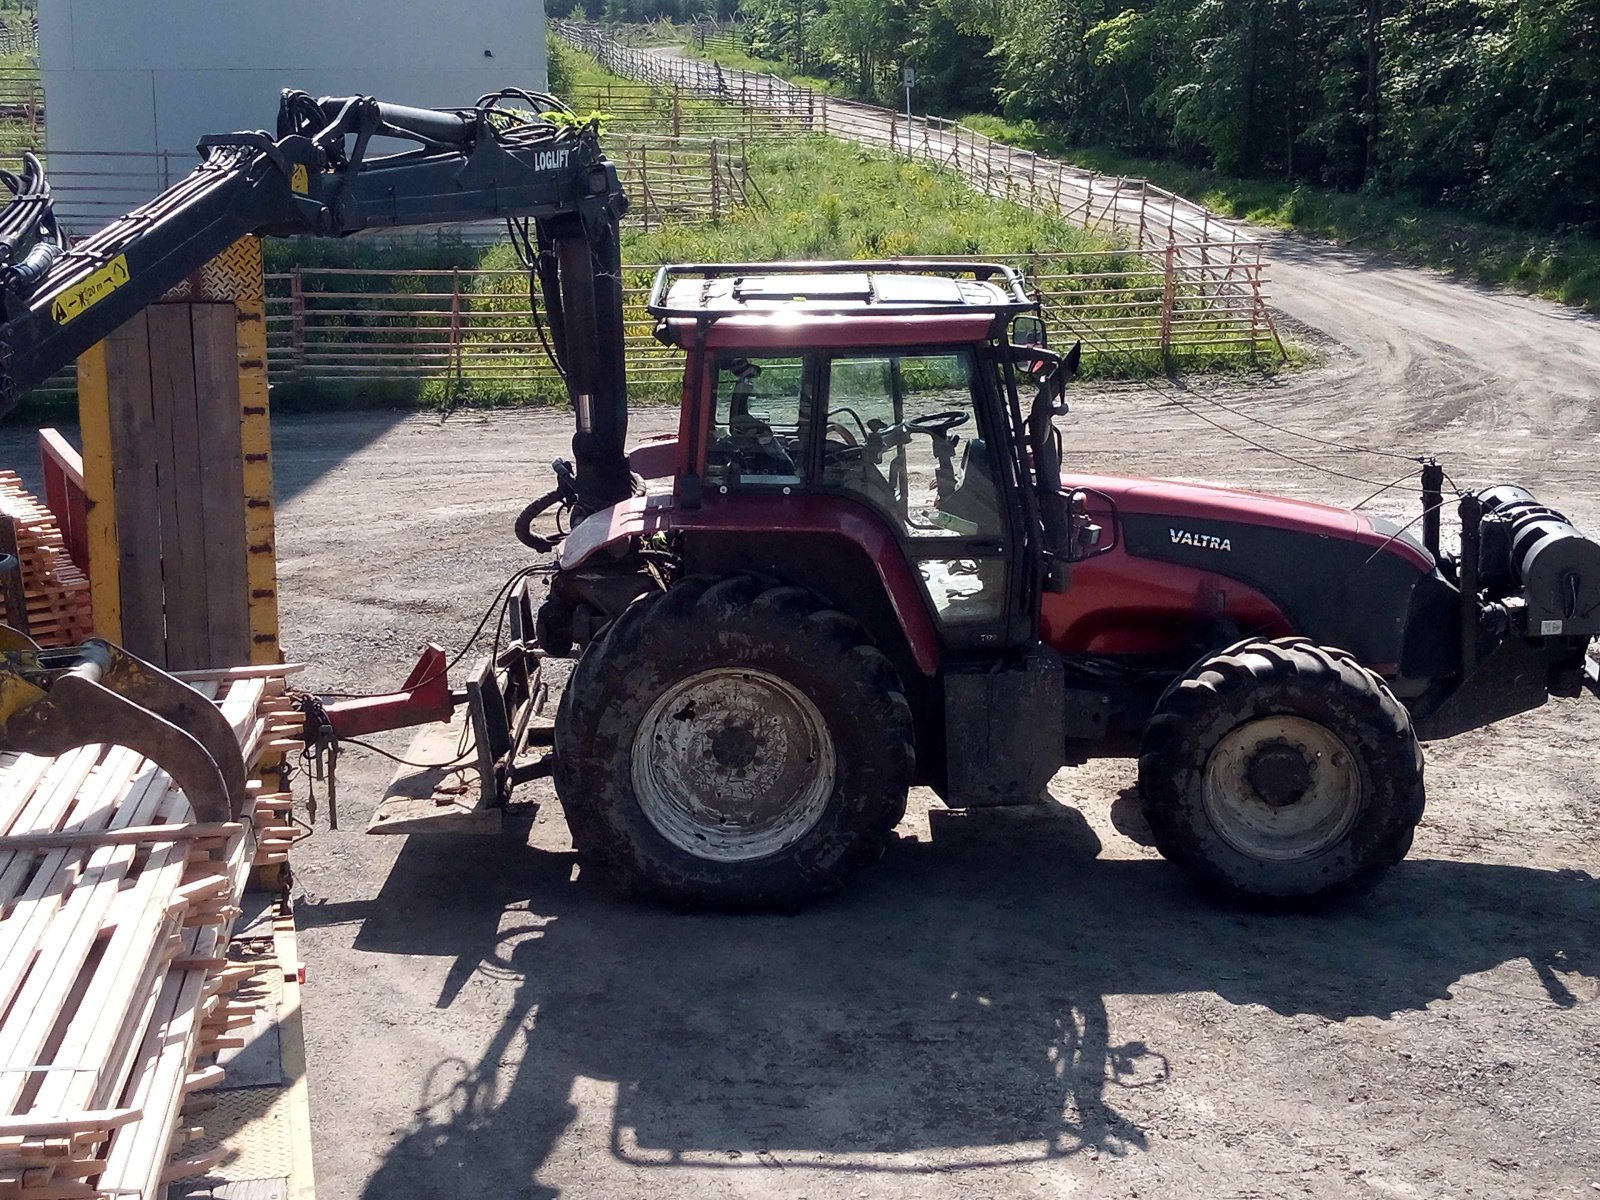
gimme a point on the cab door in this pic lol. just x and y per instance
(915, 433)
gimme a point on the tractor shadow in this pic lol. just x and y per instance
(955, 998)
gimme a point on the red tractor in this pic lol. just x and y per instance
(858, 568)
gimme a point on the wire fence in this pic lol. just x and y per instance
(21, 100)
(1134, 311)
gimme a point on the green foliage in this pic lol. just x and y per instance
(1487, 106)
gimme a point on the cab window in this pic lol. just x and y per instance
(757, 433)
(902, 432)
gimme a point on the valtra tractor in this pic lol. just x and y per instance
(858, 567)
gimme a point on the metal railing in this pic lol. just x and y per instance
(348, 324)
(1131, 309)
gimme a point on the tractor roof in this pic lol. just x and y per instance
(795, 305)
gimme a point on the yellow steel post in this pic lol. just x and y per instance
(256, 436)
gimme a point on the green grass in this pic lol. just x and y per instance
(818, 198)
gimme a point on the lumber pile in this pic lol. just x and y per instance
(116, 907)
(57, 591)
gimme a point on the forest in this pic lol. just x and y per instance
(1487, 106)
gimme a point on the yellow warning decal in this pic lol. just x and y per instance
(92, 290)
(300, 180)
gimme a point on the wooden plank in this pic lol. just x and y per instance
(134, 455)
(130, 836)
(99, 484)
(74, 928)
(37, 1124)
(222, 493)
(124, 969)
(267, 671)
(50, 800)
(186, 586)
(436, 799)
(20, 774)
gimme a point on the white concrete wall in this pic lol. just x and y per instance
(152, 76)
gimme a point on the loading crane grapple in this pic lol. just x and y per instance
(859, 566)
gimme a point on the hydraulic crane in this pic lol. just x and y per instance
(515, 155)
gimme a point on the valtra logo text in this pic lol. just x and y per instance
(1200, 541)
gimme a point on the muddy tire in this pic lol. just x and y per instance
(732, 745)
(1281, 773)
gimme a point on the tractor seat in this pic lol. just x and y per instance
(751, 448)
(974, 501)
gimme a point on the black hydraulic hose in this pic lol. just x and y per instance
(524, 526)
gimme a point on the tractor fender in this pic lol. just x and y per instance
(755, 527)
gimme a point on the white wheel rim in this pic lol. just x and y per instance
(1281, 789)
(733, 765)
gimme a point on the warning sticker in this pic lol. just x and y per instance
(92, 290)
(300, 180)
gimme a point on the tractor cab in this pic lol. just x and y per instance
(875, 395)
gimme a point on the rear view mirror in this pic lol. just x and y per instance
(1029, 331)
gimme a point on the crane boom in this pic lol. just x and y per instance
(545, 173)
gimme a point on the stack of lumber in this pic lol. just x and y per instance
(57, 591)
(116, 907)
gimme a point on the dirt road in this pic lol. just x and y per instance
(1010, 1004)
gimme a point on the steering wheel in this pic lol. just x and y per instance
(938, 424)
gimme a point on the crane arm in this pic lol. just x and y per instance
(315, 177)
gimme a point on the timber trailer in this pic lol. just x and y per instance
(858, 566)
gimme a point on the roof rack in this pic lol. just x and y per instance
(899, 287)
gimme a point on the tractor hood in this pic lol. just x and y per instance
(1204, 516)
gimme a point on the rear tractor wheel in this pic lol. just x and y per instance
(732, 745)
(1282, 773)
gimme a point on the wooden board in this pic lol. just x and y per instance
(176, 448)
(186, 525)
(221, 483)
(135, 483)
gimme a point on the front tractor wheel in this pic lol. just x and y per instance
(1283, 773)
(732, 745)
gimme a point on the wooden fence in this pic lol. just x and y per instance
(21, 101)
(464, 327)
(19, 35)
